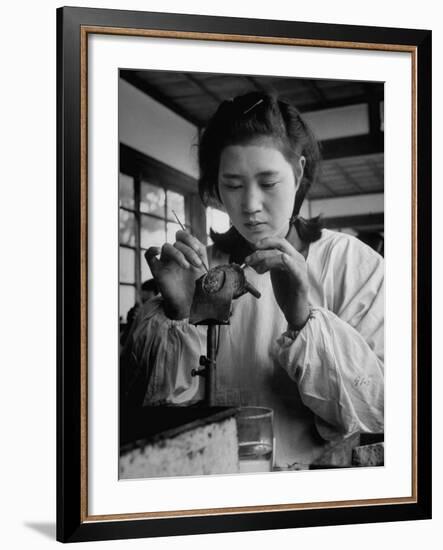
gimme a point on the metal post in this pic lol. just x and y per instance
(210, 374)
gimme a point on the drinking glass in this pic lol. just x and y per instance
(255, 439)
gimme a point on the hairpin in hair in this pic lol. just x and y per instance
(253, 106)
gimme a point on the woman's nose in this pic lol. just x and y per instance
(251, 201)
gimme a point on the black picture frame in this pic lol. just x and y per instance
(73, 522)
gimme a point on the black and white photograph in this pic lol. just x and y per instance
(229, 191)
(224, 212)
(251, 274)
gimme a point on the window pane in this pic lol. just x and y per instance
(176, 202)
(145, 271)
(172, 229)
(126, 191)
(126, 301)
(127, 228)
(127, 265)
(216, 220)
(152, 199)
(152, 232)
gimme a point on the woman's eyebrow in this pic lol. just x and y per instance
(268, 173)
(263, 173)
(231, 176)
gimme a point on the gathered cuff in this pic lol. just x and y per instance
(154, 309)
(179, 323)
(292, 333)
(339, 377)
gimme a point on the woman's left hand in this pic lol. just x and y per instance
(289, 277)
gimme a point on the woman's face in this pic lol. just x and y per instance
(257, 186)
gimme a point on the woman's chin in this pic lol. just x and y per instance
(253, 237)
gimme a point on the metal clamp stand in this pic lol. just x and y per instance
(211, 306)
(208, 366)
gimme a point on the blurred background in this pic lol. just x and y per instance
(161, 114)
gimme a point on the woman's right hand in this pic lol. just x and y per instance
(176, 271)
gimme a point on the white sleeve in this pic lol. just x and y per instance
(337, 358)
(160, 354)
(165, 351)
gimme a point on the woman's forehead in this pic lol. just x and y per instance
(263, 154)
(267, 141)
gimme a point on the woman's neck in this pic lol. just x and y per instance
(294, 238)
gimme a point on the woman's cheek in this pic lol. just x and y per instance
(230, 204)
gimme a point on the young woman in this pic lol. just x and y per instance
(311, 347)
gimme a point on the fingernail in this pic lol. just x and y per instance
(247, 259)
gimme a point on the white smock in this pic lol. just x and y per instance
(323, 382)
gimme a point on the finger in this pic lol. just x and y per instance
(260, 255)
(188, 253)
(278, 243)
(281, 261)
(192, 242)
(151, 258)
(268, 262)
(170, 253)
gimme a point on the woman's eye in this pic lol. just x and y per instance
(230, 186)
(268, 184)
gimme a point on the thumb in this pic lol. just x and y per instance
(151, 258)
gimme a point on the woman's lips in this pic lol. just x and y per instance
(254, 226)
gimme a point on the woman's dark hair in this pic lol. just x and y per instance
(247, 118)
(150, 286)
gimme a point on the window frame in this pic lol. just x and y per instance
(143, 168)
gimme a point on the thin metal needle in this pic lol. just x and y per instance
(184, 229)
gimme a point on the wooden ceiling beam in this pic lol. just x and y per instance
(351, 146)
(360, 220)
(341, 102)
(377, 172)
(371, 96)
(373, 111)
(202, 87)
(321, 98)
(256, 84)
(347, 176)
(327, 187)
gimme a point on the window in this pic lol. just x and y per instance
(217, 220)
(146, 219)
(149, 194)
